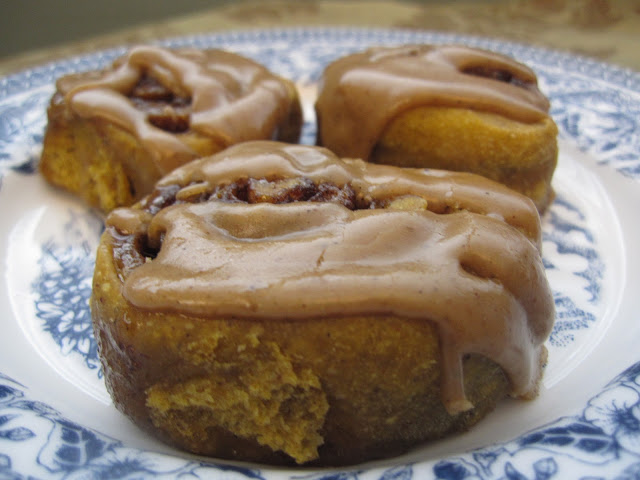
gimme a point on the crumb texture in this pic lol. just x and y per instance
(258, 396)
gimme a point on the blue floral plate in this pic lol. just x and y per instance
(56, 418)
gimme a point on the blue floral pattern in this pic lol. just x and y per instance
(64, 287)
(65, 450)
(601, 441)
(562, 220)
(22, 118)
(604, 442)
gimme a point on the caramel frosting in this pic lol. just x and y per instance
(464, 255)
(231, 98)
(360, 94)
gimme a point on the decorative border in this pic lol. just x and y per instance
(603, 441)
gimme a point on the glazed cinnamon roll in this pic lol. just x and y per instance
(274, 303)
(112, 134)
(446, 107)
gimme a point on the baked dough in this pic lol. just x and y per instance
(112, 134)
(274, 303)
(447, 107)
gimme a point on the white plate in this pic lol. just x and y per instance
(56, 419)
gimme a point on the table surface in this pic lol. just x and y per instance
(607, 30)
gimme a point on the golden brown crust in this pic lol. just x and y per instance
(520, 155)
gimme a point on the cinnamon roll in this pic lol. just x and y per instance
(274, 303)
(112, 134)
(446, 107)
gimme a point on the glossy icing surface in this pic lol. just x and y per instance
(465, 257)
(361, 93)
(231, 98)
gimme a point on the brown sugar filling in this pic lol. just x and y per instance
(501, 75)
(164, 109)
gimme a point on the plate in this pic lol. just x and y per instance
(57, 421)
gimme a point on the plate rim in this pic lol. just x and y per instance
(621, 76)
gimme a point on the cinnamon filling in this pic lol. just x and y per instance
(164, 109)
(505, 76)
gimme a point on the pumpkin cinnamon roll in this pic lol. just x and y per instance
(112, 134)
(274, 303)
(447, 107)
